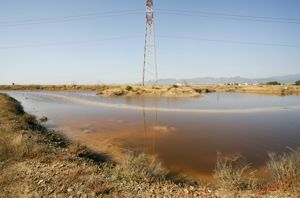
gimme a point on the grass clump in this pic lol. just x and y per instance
(141, 167)
(230, 173)
(18, 146)
(285, 169)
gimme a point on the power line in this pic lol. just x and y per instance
(158, 36)
(230, 41)
(232, 17)
(159, 11)
(69, 42)
(68, 18)
(72, 16)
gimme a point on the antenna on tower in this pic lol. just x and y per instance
(150, 64)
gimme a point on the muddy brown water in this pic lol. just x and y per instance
(184, 134)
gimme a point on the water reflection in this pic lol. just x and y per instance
(150, 131)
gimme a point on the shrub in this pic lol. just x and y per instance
(230, 173)
(297, 82)
(30, 120)
(128, 88)
(273, 83)
(285, 168)
(154, 87)
(139, 166)
(172, 87)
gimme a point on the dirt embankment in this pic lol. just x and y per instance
(36, 162)
(171, 91)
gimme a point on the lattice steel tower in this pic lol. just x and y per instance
(150, 64)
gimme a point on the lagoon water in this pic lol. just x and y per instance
(184, 134)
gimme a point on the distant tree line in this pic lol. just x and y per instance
(273, 83)
(278, 83)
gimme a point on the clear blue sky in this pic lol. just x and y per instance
(120, 61)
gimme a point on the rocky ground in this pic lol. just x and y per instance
(36, 162)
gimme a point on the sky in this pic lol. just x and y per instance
(41, 42)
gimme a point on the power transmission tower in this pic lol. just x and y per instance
(150, 64)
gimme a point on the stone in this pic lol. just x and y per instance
(69, 189)
(41, 181)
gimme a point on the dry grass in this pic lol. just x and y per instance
(285, 169)
(26, 148)
(233, 173)
(141, 167)
(18, 146)
(76, 148)
(278, 90)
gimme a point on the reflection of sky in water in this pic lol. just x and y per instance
(209, 101)
(182, 140)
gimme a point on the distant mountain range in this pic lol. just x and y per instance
(288, 79)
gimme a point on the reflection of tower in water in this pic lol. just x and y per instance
(149, 123)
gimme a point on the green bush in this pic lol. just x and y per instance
(128, 88)
(297, 82)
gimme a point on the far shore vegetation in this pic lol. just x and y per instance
(37, 162)
(273, 83)
(172, 91)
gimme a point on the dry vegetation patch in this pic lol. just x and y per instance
(168, 91)
(285, 170)
(233, 173)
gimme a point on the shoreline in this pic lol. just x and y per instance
(165, 91)
(39, 162)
